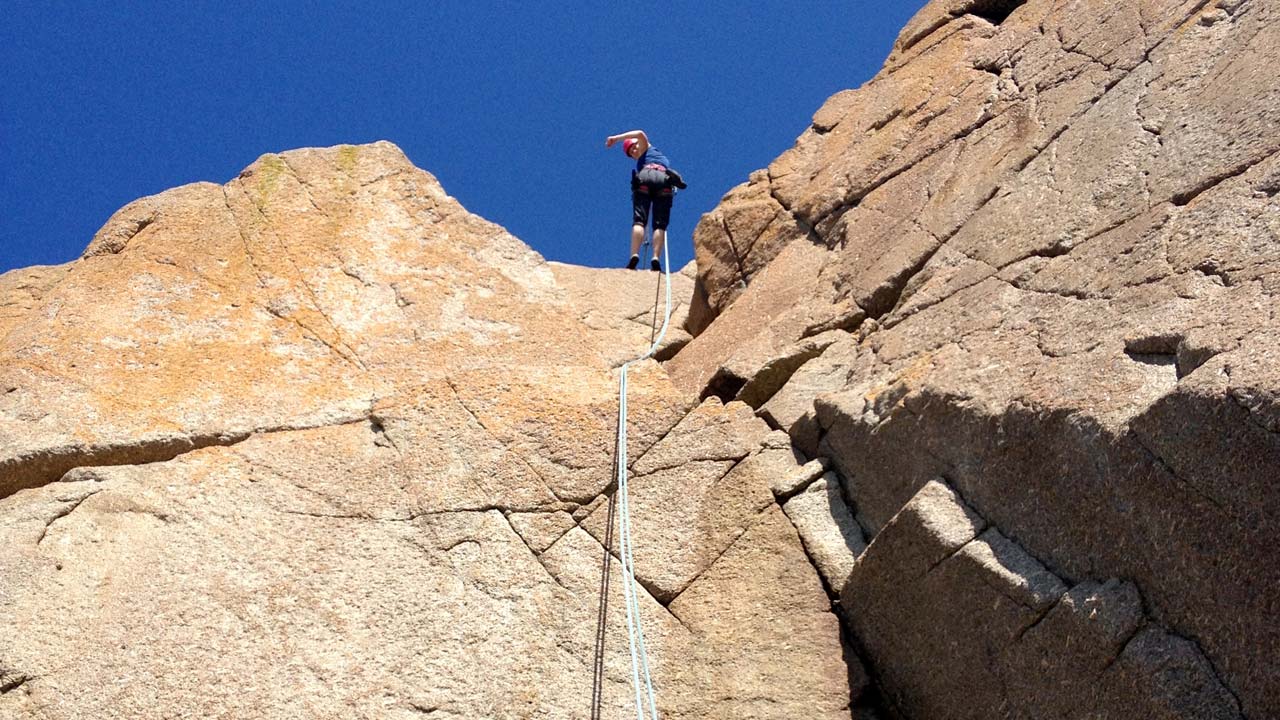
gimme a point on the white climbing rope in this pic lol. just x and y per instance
(640, 678)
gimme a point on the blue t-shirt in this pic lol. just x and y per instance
(652, 156)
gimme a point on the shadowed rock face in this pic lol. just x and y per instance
(321, 443)
(1046, 238)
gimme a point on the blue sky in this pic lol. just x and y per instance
(507, 103)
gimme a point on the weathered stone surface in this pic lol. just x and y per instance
(765, 326)
(762, 382)
(721, 638)
(765, 574)
(831, 536)
(1062, 218)
(216, 586)
(694, 493)
(338, 302)
(713, 431)
(577, 562)
(671, 503)
(934, 524)
(1099, 619)
(1163, 676)
(788, 484)
(316, 443)
(979, 626)
(623, 302)
(540, 530)
(791, 408)
(764, 226)
(21, 291)
(1109, 500)
(325, 439)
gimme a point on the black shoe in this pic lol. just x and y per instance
(635, 260)
(655, 266)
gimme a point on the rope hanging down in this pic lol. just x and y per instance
(640, 678)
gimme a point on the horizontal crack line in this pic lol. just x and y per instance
(46, 465)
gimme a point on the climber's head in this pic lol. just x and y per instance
(628, 145)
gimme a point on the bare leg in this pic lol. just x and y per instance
(659, 239)
(637, 237)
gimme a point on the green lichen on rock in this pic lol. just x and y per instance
(270, 168)
(347, 158)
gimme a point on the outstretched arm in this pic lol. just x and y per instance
(637, 134)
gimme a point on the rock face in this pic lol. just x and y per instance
(321, 443)
(1047, 246)
(974, 413)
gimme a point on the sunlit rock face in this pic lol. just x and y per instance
(1036, 261)
(319, 442)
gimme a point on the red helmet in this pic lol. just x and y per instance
(627, 145)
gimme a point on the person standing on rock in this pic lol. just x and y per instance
(653, 186)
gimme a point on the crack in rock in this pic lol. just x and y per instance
(40, 467)
(350, 354)
(733, 247)
(1186, 197)
(457, 394)
(70, 508)
(536, 555)
(9, 683)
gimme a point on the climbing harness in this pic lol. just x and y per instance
(640, 678)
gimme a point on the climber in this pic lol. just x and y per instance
(653, 184)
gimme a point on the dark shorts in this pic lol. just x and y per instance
(650, 189)
(640, 204)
